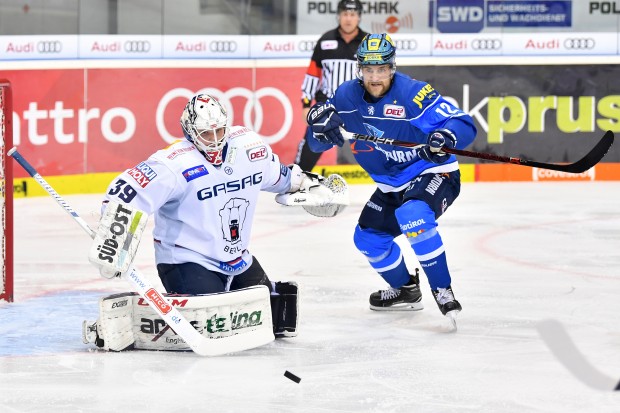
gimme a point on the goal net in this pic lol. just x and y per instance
(6, 192)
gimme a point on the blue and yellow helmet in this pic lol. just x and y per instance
(376, 49)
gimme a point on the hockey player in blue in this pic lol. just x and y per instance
(415, 186)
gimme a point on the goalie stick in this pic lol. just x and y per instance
(197, 342)
(582, 165)
(563, 348)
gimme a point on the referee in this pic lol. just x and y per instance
(333, 62)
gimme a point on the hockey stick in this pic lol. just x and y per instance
(197, 342)
(582, 165)
(563, 348)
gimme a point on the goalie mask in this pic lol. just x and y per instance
(204, 123)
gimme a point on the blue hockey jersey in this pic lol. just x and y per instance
(409, 111)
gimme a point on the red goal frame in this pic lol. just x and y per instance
(6, 189)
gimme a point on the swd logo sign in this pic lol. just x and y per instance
(458, 16)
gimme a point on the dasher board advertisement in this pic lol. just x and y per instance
(550, 113)
(466, 16)
(97, 120)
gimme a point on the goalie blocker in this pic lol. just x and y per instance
(117, 239)
(126, 321)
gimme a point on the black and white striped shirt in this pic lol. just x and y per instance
(333, 62)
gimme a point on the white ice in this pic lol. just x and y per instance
(519, 253)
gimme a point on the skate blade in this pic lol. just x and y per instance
(452, 317)
(400, 307)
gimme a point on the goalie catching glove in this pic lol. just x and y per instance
(317, 195)
(117, 238)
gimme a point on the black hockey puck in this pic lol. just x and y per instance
(291, 376)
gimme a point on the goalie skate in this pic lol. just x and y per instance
(89, 332)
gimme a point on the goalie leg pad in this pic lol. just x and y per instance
(127, 321)
(285, 309)
(114, 329)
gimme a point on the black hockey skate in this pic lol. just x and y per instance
(447, 303)
(406, 298)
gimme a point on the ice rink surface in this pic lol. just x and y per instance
(519, 253)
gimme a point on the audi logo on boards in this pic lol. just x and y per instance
(258, 104)
(223, 46)
(409, 44)
(579, 43)
(137, 46)
(306, 46)
(49, 46)
(486, 44)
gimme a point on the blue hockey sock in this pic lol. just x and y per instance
(417, 223)
(383, 254)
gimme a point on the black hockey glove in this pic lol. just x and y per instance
(325, 124)
(437, 140)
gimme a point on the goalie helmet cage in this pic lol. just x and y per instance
(6, 192)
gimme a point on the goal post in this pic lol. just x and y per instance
(6, 191)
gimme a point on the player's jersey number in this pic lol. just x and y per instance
(123, 190)
(446, 110)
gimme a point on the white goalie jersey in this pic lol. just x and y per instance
(203, 213)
